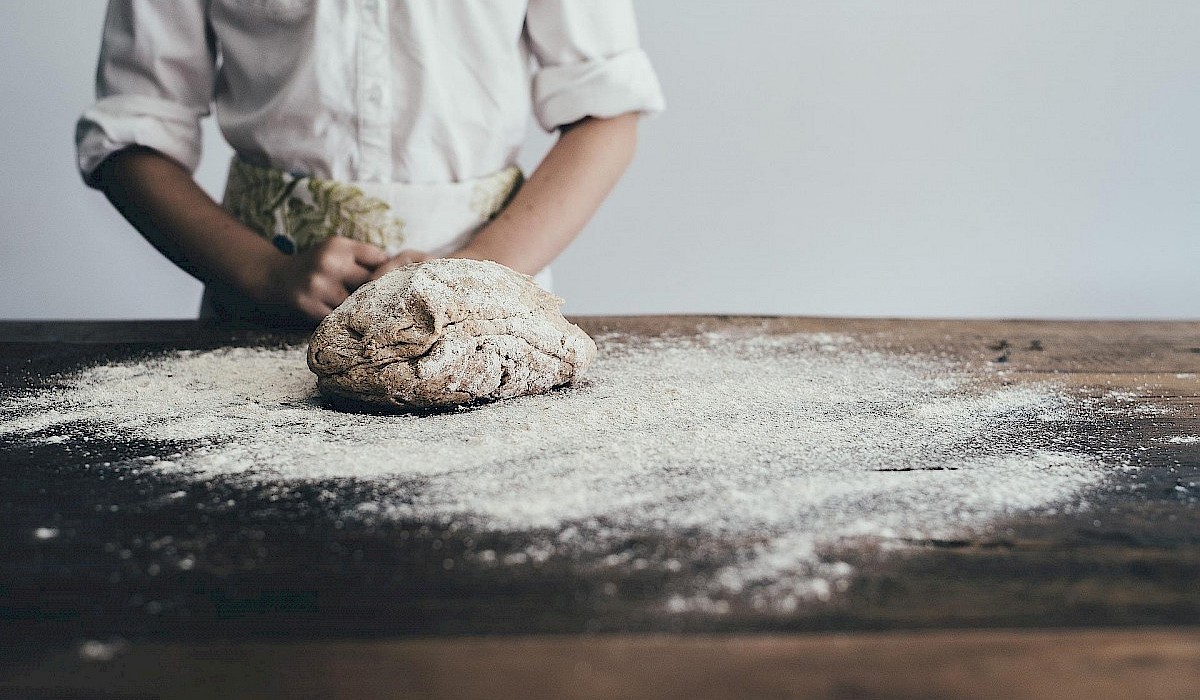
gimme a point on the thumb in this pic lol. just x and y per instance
(368, 255)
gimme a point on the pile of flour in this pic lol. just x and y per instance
(778, 446)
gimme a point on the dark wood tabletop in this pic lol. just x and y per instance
(1103, 601)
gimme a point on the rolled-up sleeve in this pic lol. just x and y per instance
(589, 62)
(154, 83)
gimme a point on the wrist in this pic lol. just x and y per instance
(256, 273)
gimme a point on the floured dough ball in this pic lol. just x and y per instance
(445, 333)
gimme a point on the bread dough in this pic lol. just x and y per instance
(445, 333)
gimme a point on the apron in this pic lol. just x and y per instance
(296, 213)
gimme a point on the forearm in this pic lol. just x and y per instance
(561, 195)
(174, 214)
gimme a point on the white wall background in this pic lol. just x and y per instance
(964, 158)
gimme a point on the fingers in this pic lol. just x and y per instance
(313, 309)
(328, 291)
(318, 298)
(324, 276)
(367, 255)
(347, 262)
(408, 257)
(355, 276)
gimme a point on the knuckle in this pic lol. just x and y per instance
(298, 300)
(312, 282)
(328, 263)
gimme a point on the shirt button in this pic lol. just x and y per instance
(375, 94)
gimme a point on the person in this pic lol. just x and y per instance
(368, 134)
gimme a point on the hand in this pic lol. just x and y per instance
(404, 257)
(318, 280)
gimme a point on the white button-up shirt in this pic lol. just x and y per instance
(421, 91)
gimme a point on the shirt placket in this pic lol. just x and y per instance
(374, 92)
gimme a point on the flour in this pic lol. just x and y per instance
(775, 448)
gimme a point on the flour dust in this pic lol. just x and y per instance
(776, 449)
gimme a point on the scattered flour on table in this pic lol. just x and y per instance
(1183, 439)
(778, 445)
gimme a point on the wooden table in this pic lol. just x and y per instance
(1097, 603)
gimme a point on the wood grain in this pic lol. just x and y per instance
(1129, 561)
(1054, 664)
